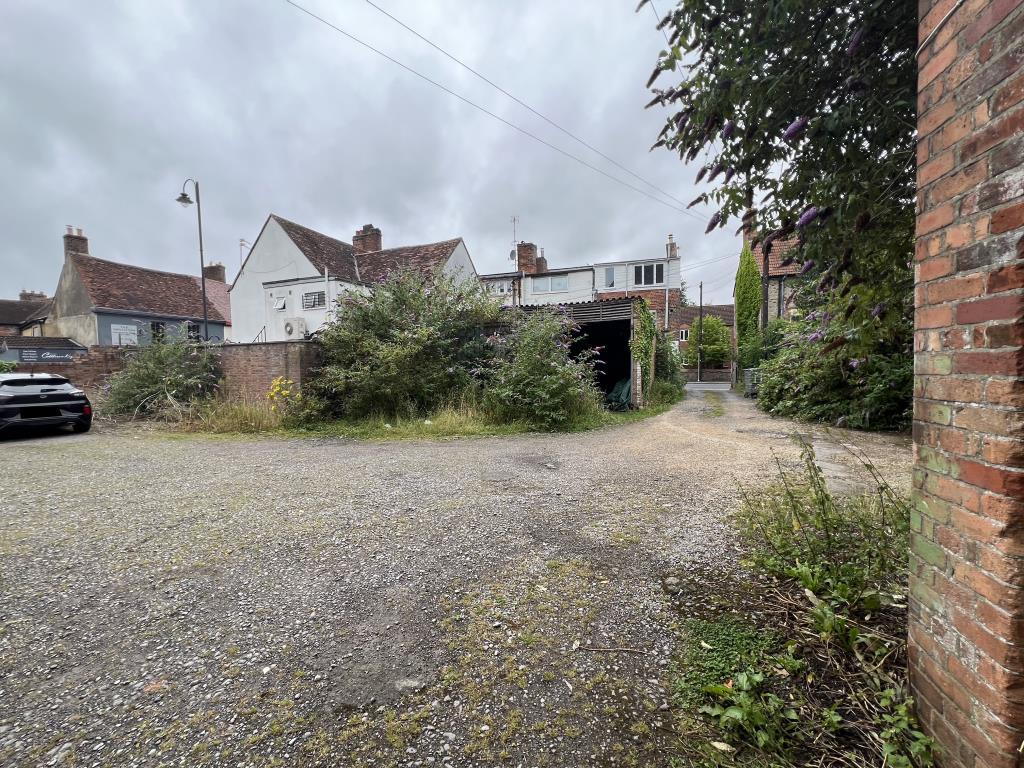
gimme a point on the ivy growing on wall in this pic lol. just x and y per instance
(748, 303)
(642, 344)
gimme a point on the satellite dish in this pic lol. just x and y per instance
(512, 254)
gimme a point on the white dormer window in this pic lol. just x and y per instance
(280, 304)
(648, 274)
(609, 277)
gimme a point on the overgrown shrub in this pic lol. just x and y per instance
(535, 379)
(163, 379)
(409, 347)
(806, 379)
(6, 366)
(664, 392)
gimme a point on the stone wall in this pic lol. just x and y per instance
(708, 374)
(249, 369)
(967, 542)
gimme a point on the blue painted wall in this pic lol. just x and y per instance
(106, 323)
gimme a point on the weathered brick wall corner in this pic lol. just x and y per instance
(967, 541)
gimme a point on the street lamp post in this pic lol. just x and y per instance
(186, 201)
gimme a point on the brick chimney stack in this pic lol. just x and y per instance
(367, 239)
(75, 241)
(215, 272)
(526, 257)
(671, 248)
(32, 296)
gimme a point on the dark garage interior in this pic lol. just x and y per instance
(611, 339)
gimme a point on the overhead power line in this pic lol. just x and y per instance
(705, 263)
(486, 111)
(522, 103)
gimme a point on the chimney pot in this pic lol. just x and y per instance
(526, 257)
(75, 242)
(32, 296)
(367, 239)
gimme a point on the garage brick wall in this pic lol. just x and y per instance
(967, 545)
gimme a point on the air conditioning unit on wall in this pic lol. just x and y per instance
(295, 327)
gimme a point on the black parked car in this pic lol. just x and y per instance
(42, 399)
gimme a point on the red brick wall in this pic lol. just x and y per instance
(656, 298)
(89, 371)
(967, 546)
(249, 369)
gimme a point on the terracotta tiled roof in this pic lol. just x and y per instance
(780, 249)
(129, 288)
(321, 250)
(217, 298)
(15, 312)
(34, 342)
(375, 265)
(724, 312)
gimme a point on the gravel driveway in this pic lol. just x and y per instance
(192, 600)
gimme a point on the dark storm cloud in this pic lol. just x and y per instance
(110, 106)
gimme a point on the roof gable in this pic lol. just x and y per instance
(127, 288)
(323, 252)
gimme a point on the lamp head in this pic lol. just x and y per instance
(184, 199)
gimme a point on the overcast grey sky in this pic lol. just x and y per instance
(108, 106)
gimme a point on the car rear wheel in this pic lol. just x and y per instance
(80, 427)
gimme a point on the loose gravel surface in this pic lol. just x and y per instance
(172, 600)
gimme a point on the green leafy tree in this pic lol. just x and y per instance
(411, 345)
(812, 105)
(747, 298)
(716, 341)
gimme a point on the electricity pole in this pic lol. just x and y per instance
(700, 334)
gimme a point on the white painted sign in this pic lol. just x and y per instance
(126, 335)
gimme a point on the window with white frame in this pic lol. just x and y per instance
(314, 300)
(279, 304)
(552, 284)
(684, 335)
(648, 274)
(609, 277)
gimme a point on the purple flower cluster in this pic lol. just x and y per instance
(728, 128)
(807, 267)
(807, 217)
(796, 128)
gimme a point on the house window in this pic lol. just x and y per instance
(648, 274)
(609, 277)
(192, 329)
(279, 304)
(314, 300)
(157, 330)
(552, 284)
(684, 335)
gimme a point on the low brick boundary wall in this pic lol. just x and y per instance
(709, 374)
(249, 369)
(89, 371)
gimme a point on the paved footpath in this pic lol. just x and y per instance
(191, 600)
